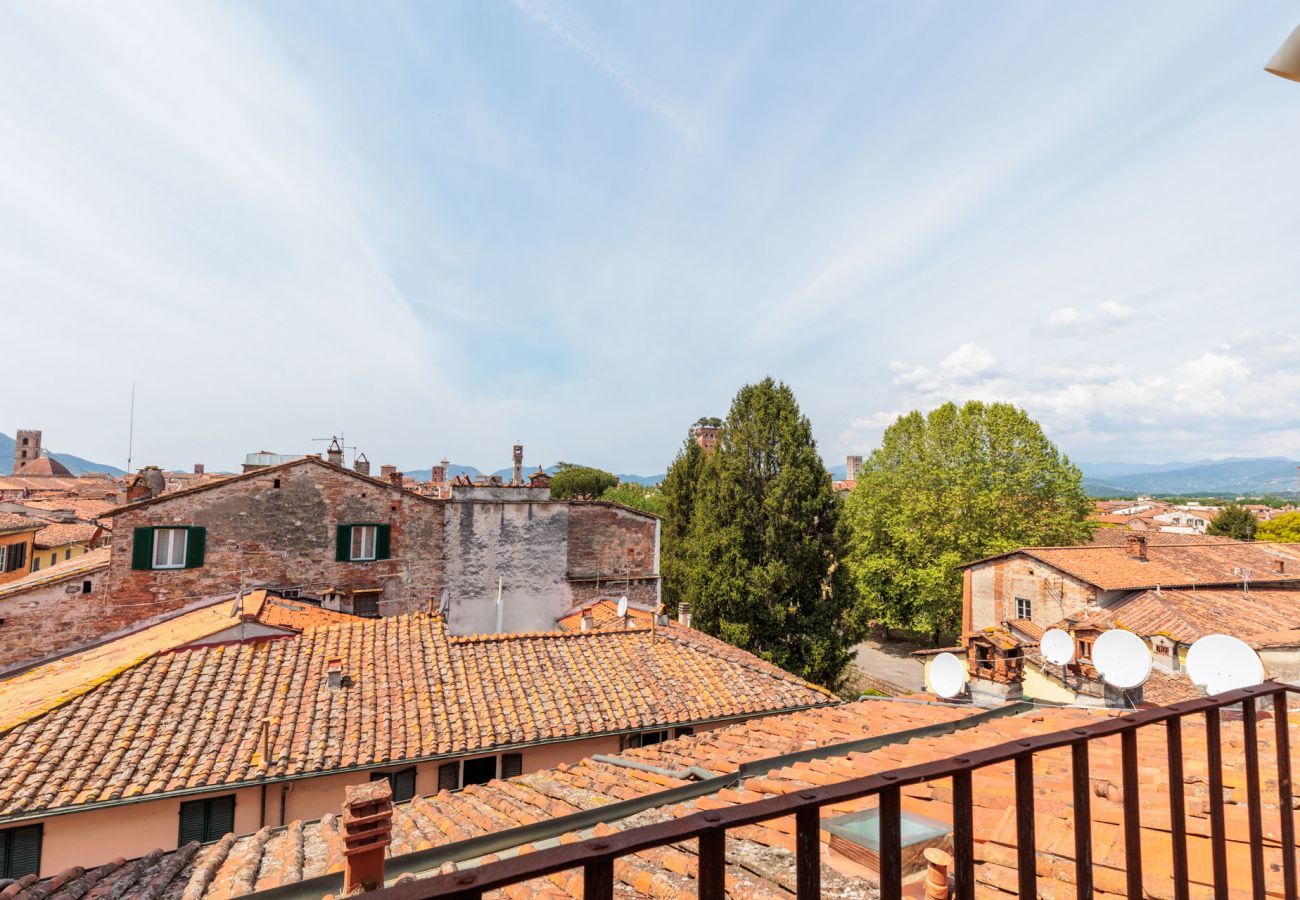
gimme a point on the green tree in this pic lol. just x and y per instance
(1285, 528)
(636, 496)
(1234, 521)
(678, 491)
(760, 560)
(580, 482)
(948, 488)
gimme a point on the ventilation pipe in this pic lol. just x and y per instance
(367, 832)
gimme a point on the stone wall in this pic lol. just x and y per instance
(50, 618)
(992, 589)
(276, 529)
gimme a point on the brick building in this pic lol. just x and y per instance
(47, 611)
(358, 544)
(17, 534)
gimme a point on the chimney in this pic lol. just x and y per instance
(361, 464)
(1280, 566)
(386, 472)
(198, 468)
(149, 483)
(588, 623)
(1136, 545)
(936, 873)
(334, 455)
(395, 477)
(334, 672)
(367, 830)
(684, 614)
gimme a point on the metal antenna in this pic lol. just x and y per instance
(130, 433)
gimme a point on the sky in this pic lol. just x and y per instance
(439, 228)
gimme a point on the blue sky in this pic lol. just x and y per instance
(442, 227)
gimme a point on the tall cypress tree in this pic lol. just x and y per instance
(765, 538)
(678, 491)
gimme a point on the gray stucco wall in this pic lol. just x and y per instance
(524, 544)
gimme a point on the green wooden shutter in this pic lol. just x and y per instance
(512, 765)
(221, 817)
(22, 852)
(449, 776)
(383, 541)
(403, 784)
(195, 545)
(193, 818)
(142, 549)
(343, 543)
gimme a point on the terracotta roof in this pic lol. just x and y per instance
(71, 568)
(63, 533)
(1187, 615)
(1169, 564)
(760, 857)
(193, 717)
(42, 466)
(13, 522)
(604, 617)
(1115, 537)
(1027, 627)
(80, 507)
(38, 689)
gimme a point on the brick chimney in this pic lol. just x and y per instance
(334, 455)
(1136, 545)
(386, 472)
(367, 830)
(149, 483)
(395, 477)
(361, 465)
(684, 614)
(198, 468)
(1280, 566)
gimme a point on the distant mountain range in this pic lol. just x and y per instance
(1231, 477)
(76, 465)
(455, 469)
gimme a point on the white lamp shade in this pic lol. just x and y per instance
(1286, 61)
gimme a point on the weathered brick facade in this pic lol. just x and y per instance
(612, 549)
(57, 611)
(992, 588)
(276, 528)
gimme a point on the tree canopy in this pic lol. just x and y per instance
(649, 499)
(678, 490)
(1285, 528)
(947, 488)
(580, 482)
(759, 561)
(1234, 521)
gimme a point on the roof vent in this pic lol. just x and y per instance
(857, 836)
(334, 676)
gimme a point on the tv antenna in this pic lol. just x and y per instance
(947, 676)
(1221, 662)
(130, 431)
(338, 439)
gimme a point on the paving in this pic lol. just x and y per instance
(891, 662)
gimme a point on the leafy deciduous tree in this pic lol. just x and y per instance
(636, 496)
(1285, 528)
(948, 488)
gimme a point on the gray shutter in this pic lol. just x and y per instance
(512, 765)
(221, 817)
(449, 776)
(24, 852)
(192, 822)
(403, 784)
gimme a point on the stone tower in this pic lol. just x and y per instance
(27, 448)
(851, 466)
(519, 465)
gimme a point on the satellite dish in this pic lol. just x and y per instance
(1122, 659)
(1057, 647)
(622, 606)
(947, 675)
(1221, 662)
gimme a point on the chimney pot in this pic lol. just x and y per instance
(361, 465)
(1136, 545)
(334, 454)
(367, 830)
(684, 614)
(395, 477)
(936, 874)
(198, 468)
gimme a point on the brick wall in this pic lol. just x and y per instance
(281, 537)
(612, 551)
(1053, 595)
(50, 618)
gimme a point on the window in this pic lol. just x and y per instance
(54, 558)
(512, 765)
(36, 563)
(1024, 609)
(85, 587)
(67, 554)
(20, 851)
(402, 783)
(207, 820)
(646, 739)
(169, 548)
(481, 770)
(449, 776)
(172, 547)
(683, 731)
(366, 603)
(362, 543)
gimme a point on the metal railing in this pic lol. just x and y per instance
(596, 856)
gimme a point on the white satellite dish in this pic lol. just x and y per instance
(1122, 659)
(1057, 647)
(1221, 662)
(947, 675)
(622, 607)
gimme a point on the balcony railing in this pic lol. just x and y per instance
(597, 856)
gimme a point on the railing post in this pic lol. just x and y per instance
(1082, 820)
(1218, 844)
(891, 844)
(963, 834)
(713, 865)
(598, 880)
(1254, 812)
(1132, 813)
(808, 853)
(1284, 791)
(1026, 857)
(1177, 808)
